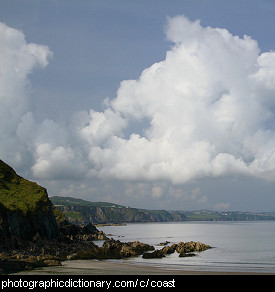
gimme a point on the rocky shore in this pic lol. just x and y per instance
(34, 233)
(42, 253)
(17, 254)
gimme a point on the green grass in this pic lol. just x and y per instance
(19, 194)
(69, 201)
(73, 215)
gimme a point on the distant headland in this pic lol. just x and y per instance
(80, 211)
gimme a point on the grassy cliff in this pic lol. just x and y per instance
(19, 194)
(79, 211)
(25, 208)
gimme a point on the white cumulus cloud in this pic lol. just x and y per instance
(17, 60)
(207, 110)
(210, 106)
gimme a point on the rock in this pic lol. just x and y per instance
(25, 209)
(52, 262)
(35, 234)
(169, 249)
(152, 255)
(73, 256)
(187, 255)
(140, 247)
(87, 232)
(188, 247)
(111, 249)
(159, 253)
(116, 249)
(164, 243)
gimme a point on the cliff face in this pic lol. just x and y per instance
(82, 212)
(25, 209)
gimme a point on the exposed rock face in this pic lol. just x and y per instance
(116, 249)
(153, 255)
(169, 249)
(79, 211)
(191, 246)
(25, 209)
(185, 249)
(33, 233)
(81, 233)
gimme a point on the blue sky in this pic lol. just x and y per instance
(92, 46)
(97, 44)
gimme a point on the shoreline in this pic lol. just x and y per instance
(105, 267)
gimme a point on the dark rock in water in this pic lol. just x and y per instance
(116, 249)
(111, 249)
(135, 248)
(87, 232)
(153, 255)
(187, 247)
(164, 243)
(185, 255)
(169, 249)
(159, 253)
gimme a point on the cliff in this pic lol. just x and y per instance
(33, 233)
(25, 209)
(80, 211)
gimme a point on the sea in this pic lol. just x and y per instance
(247, 246)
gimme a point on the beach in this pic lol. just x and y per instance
(241, 248)
(96, 267)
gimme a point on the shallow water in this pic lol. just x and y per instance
(238, 246)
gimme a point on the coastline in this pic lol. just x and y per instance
(105, 267)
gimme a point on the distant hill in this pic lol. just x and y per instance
(79, 211)
(208, 215)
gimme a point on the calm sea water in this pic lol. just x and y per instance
(238, 246)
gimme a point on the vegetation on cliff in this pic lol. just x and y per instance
(79, 211)
(25, 209)
(34, 233)
(208, 215)
(19, 194)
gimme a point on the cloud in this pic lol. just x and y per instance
(222, 206)
(18, 59)
(210, 107)
(207, 110)
(192, 195)
(42, 147)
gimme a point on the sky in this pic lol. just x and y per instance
(157, 104)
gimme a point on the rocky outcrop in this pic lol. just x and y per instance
(47, 253)
(185, 249)
(112, 249)
(75, 233)
(169, 249)
(116, 249)
(153, 255)
(191, 246)
(25, 209)
(33, 233)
